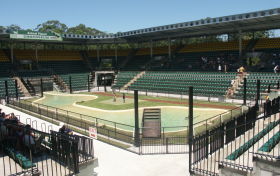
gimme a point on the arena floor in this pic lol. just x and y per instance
(103, 107)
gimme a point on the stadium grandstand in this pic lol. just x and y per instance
(131, 86)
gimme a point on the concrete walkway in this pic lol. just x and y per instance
(118, 162)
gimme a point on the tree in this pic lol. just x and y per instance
(84, 30)
(13, 27)
(52, 25)
(251, 35)
(2, 29)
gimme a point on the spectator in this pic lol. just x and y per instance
(65, 130)
(241, 69)
(276, 69)
(220, 68)
(123, 97)
(3, 131)
(29, 137)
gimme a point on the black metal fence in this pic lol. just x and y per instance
(25, 150)
(172, 139)
(233, 142)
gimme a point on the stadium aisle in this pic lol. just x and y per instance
(117, 162)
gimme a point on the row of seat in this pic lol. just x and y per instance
(19, 158)
(79, 81)
(11, 88)
(242, 149)
(172, 83)
(266, 79)
(123, 77)
(48, 55)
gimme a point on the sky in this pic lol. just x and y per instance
(122, 15)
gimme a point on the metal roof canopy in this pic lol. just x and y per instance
(247, 22)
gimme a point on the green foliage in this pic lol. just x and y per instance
(251, 35)
(13, 27)
(2, 29)
(52, 25)
(84, 30)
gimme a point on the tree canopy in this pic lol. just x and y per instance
(84, 30)
(52, 25)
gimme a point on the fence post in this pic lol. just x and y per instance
(7, 92)
(88, 83)
(42, 88)
(190, 127)
(258, 91)
(166, 143)
(136, 120)
(70, 84)
(16, 88)
(245, 91)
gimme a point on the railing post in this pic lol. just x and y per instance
(245, 91)
(136, 120)
(42, 88)
(16, 88)
(70, 84)
(258, 91)
(190, 127)
(7, 92)
(88, 84)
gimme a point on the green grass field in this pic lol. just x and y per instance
(106, 102)
(174, 112)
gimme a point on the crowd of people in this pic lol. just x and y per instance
(14, 133)
(21, 136)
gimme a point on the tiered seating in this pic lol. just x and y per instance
(79, 80)
(64, 67)
(11, 87)
(251, 142)
(25, 54)
(265, 78)
(213, 46)
(34, 73)
(56, 55)
(19, 158)
(108, 53)
(3, 57)
(271, 143)
(123, 78)
(137, 63)
(205, 84)
(47, 55)
(268, 43)
(75, 69)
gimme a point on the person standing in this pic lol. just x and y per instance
(276, 69)
(220, 68)
(123, 97)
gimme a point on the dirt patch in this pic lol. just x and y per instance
(175, 102)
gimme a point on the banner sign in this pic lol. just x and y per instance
(32, 35)
(92, 132)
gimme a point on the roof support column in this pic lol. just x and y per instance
(36, 53)
(169, 48)
(116, 55)
(240, 42)
(97, 53)
(151, 49)
(12, 52)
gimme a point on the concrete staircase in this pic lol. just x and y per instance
(60, 83)
(133, 80)
(22, 88)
